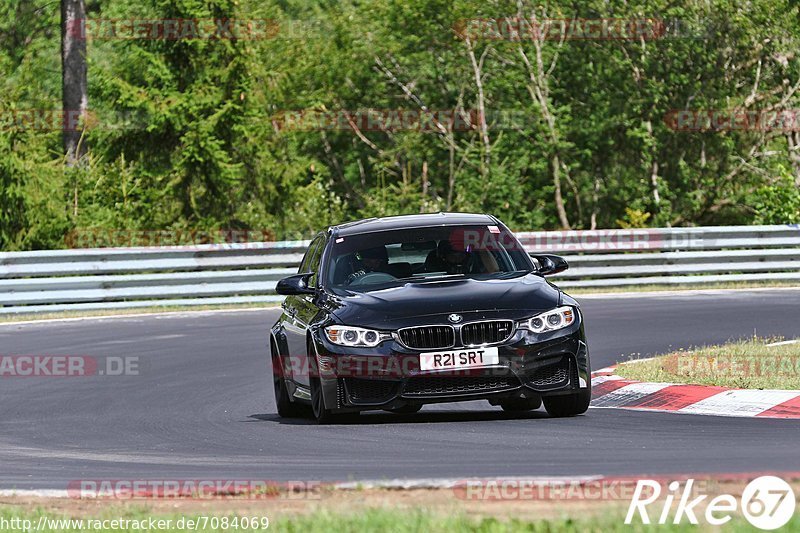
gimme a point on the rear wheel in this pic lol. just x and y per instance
(521, 404)
(569, 404)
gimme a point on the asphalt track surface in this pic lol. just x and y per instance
(202, 407)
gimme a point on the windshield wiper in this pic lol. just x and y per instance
(419, 277)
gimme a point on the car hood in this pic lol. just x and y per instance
(430, 301)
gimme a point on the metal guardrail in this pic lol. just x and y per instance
(113, 278)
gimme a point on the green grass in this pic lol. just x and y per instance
(745, 364)
(131, 311)
(387, 520)
(421, 521)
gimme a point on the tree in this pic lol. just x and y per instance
(75, 96)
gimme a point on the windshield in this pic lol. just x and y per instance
(374, 260)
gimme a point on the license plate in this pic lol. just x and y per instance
(465, 358)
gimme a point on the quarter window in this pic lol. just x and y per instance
(316, 257)
(305, 264)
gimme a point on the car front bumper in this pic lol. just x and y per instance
(530, 365)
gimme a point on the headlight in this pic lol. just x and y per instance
(352, 336)
(558, 318)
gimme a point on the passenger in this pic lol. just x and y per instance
(454, 258)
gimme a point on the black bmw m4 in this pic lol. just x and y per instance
(394, 313)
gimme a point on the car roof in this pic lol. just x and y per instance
(370, 225)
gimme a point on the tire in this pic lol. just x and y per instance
(568, 405)
(320, 413)
(521, 405)
(406, 410)
(286, 409)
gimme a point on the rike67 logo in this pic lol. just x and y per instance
(767, 502)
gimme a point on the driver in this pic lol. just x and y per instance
(372, 260)
(454, 258)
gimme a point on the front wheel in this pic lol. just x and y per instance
(322, 415)
(568, 404)
(286, 409)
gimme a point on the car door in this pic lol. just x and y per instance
(306, 309)
(295, 328)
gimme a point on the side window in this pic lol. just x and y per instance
(305, 264)
(316, 258)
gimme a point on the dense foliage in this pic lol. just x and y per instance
(579, 133)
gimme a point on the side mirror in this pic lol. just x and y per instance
(550, 264)
(295, 285)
